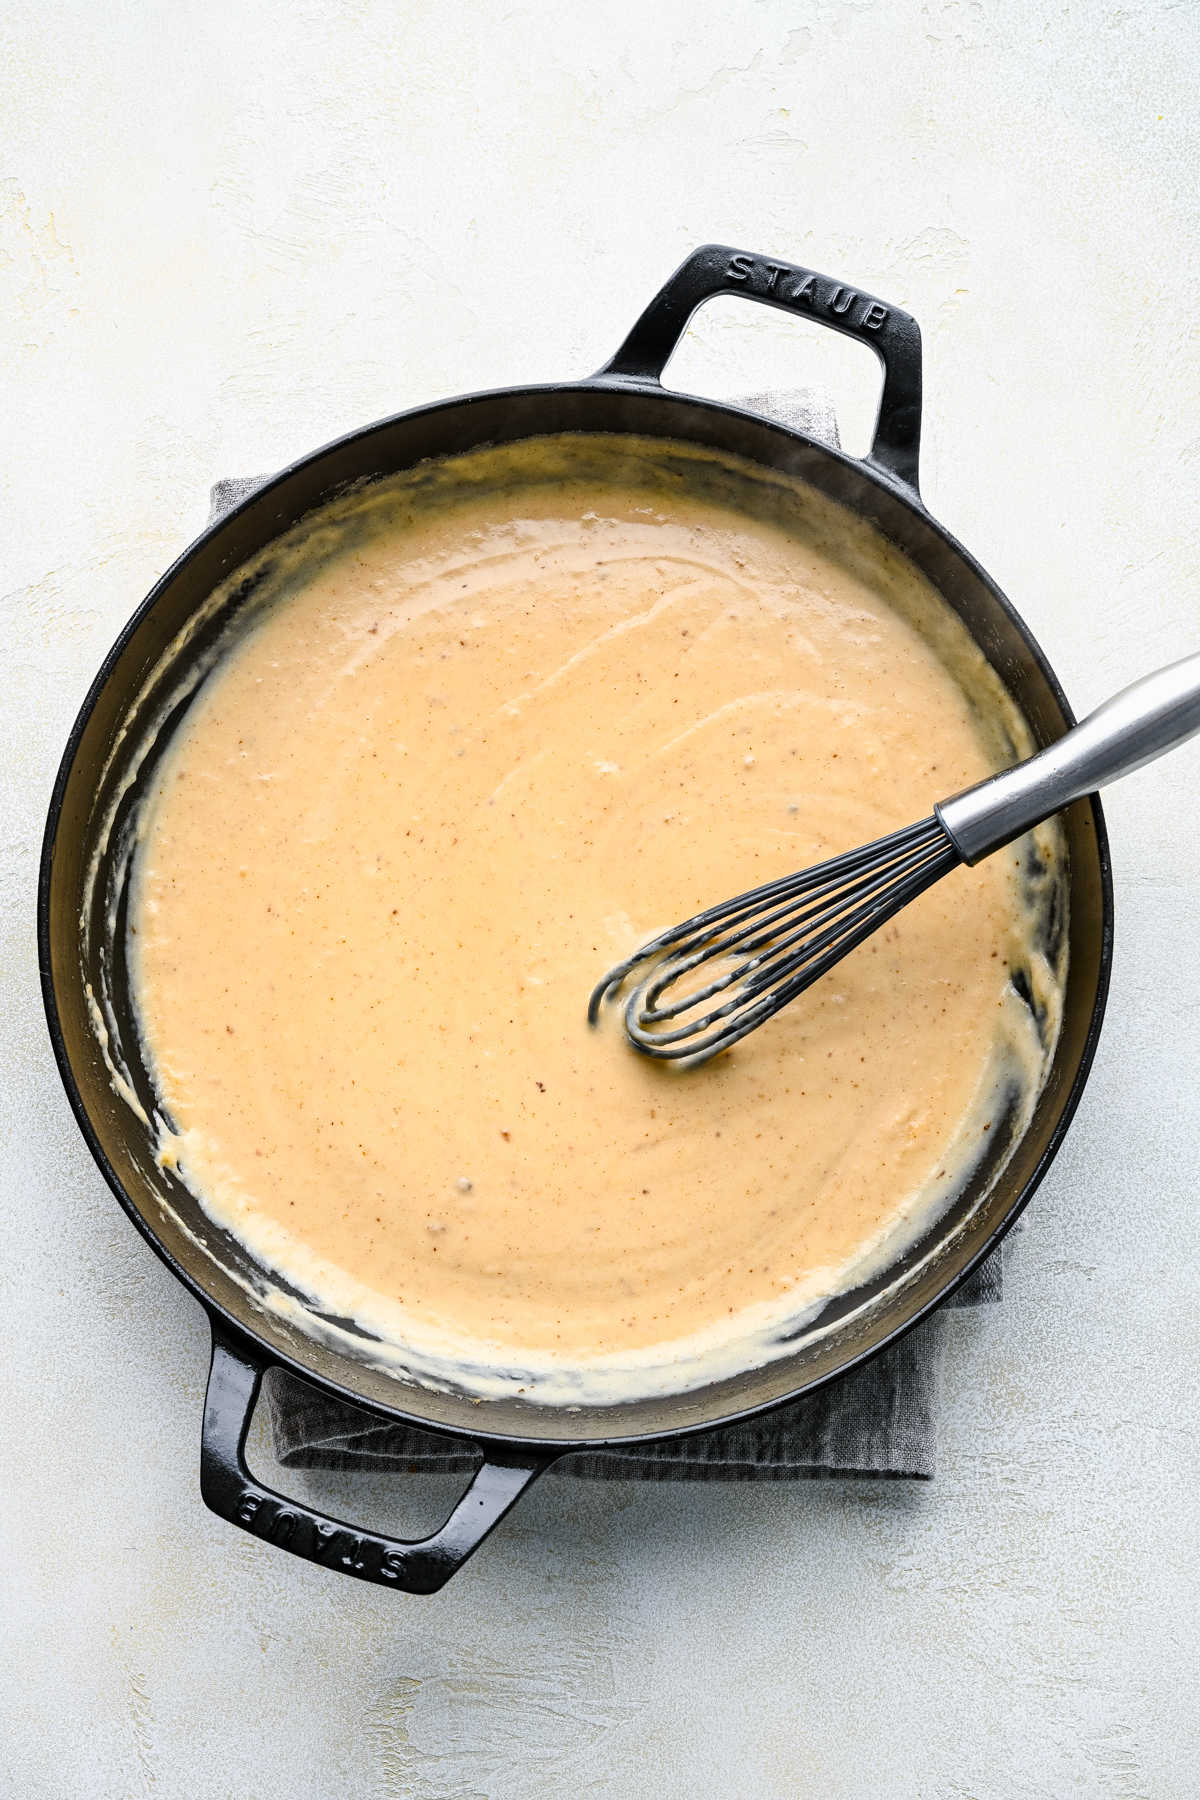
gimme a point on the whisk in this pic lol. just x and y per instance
(761, 949)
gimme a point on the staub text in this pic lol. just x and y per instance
(796, 287)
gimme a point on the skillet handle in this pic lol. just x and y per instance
(714, 269)
(419, 1567)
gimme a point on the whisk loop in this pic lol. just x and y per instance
(769, 944)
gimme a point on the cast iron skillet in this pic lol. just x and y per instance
(81, 931)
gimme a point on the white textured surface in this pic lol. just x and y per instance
(229, 232)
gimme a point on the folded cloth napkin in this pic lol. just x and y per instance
(879, 1420)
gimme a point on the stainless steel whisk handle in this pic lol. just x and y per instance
(1132, 728)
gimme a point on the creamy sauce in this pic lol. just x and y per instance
(482, 732)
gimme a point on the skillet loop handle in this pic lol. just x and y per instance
(420, 1567)
(714, 269)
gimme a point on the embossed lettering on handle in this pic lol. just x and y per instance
(715, 269)
(801, 288)
(419, 1567)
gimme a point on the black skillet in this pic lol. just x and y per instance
(81, 927)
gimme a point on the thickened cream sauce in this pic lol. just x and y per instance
(483, 731)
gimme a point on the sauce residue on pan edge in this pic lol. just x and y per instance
(484, 729)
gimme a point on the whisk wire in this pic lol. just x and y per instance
(765, 938)
(781, 938)
(822, 876)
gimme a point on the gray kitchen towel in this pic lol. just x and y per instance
(878, 1421)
